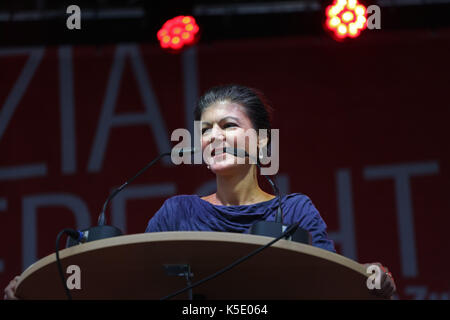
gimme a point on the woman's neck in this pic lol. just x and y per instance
(240, 188)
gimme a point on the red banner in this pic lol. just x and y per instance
(363, 133)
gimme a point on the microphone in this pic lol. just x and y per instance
(277, 227)
(102, 230)
(243, 154)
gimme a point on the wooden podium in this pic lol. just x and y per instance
(132, 267)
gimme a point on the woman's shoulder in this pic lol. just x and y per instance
(296, 197)
(299, 203)
(181, 198)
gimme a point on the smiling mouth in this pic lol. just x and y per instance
(219, 151)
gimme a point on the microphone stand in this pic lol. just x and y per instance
(103, 231)
(272, 228)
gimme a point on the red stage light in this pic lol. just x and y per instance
(346, 18)
(177, 33)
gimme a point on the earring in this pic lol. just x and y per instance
(208, 167)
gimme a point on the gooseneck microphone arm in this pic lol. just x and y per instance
(243, 154)
(279, 216)
(272, 228)
(179, 151)
(103, 231)
(281, 231)
(102, 218)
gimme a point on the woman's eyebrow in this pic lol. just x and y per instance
(230, 117)
(221, 120)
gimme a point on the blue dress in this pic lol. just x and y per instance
(191, 213)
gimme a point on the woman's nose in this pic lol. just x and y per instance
(217, 133)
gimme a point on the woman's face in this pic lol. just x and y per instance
(223, 124)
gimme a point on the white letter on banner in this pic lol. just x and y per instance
(151, 117)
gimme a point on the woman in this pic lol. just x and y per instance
(227, 113)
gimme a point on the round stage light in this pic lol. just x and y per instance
(346, 18)
(178, 33)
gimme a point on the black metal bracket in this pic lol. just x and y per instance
(180, 270)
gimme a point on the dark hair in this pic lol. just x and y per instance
(253, 101)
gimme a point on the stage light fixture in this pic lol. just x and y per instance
(346, 18)
(178, 33)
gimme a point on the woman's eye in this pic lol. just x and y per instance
(204, 130)
(229, 125)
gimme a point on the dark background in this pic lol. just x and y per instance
(343, 108)
(139, 20)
